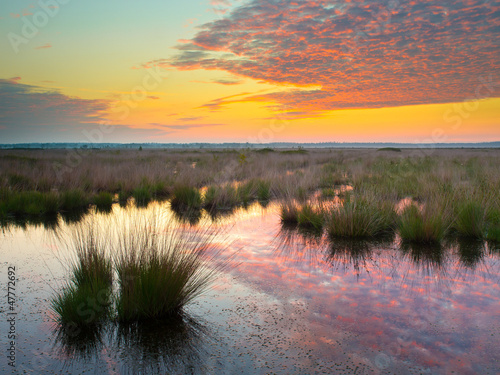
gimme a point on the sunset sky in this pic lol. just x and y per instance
(250, 71)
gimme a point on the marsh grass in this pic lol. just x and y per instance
(74, 200)
(103, 201)
(247, 192)
(311, 217)
(360, 217)
(86, 298)
(263, 190)
(160, 267)
(427, 226)
(186, 197)
(160, 271)
(142, 196)
(470, 220)
(289, 212)
(221, 197)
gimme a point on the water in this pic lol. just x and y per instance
(289, 303)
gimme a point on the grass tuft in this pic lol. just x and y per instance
(186, 197)
(421, 227)
(470, 220)
(361, 217)
(310, 218)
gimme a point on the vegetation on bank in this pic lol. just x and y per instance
(42, 183)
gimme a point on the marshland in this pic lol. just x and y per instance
(254, 260)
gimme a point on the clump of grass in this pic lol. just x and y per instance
(421, 227)
(263, 190)
(186, 197)
(493, 226)
(470, 220)
(103, 201)
(86, 299)
(73, 200)
(123, 196)
(289, 212)
(221, 197)
(360, 217)
(159, 271)
(247, 192)
(142, 195)
(310, 218)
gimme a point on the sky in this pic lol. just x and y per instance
(255, 71)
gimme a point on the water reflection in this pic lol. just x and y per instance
(77, 344)
(172, 346)
(167, 346)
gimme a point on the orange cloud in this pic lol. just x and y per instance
(363, 54)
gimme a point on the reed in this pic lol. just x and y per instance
(470, 220)
(289, 212)
(86, 299)
(310, 217)
(160, 270)
(421, 226)
(186, 197)
(360, 217)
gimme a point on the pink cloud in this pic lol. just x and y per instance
(46, 45)
(363, 54)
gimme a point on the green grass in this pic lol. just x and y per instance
(159, 274)
(289, 213)
(31, 203)
(186, 197)
(142, 195)
(421, 227)
(310, 218)
(263, 190)
(73, 200)
(360, 218)
(221, 197)
(247, 192)
(470, 220)
(103, 201)
(493, 226)
(86, 299)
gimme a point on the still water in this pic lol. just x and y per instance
(288, 303)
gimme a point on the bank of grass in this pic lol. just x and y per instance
(263, 176)
(360, 217)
